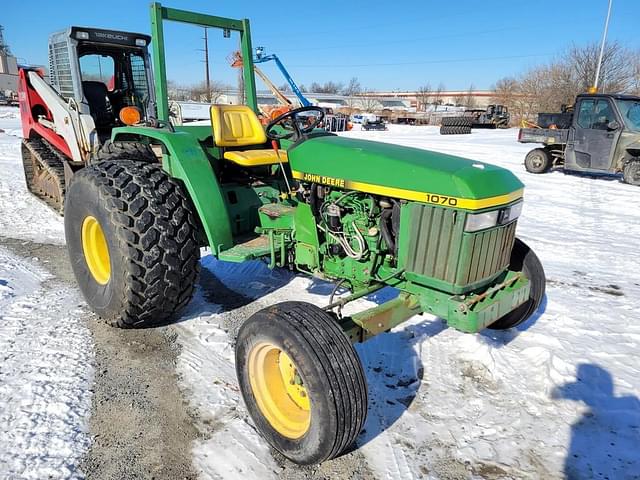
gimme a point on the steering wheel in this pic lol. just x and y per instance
(295, 124)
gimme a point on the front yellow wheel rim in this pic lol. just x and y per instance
(279, 390)
(95, 250)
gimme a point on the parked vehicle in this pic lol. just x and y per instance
(602, 136)
(377, 124)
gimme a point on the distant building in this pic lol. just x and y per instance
(477, 98)
(8, 67)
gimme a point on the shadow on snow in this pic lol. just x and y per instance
(606, 438)
(391, 361)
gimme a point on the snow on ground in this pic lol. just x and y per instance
(45, 348)
(558, 396)
(45, 374)
(22, 216)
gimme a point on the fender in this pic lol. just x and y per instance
(184, 158)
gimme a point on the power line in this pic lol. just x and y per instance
(425, 62)
(404, 40)
(378, 41)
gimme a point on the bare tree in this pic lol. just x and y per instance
(438, 94)
(616, 73)
(423, 96)
(470, 101)
(326, 87)
(547, 87)
(351, 91)
(369, 103)
(635, 81)
(198, 92)
(505, 91)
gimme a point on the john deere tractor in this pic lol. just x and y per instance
(440, 229)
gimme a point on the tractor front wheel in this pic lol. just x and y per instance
(302, 381)
(524, 260)
(132, 240)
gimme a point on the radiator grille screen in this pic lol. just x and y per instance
(439, 248)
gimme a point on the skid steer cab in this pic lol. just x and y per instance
(104, 72)
(440, 229)
(98, 80)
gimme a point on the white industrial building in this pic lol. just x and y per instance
(8, 68)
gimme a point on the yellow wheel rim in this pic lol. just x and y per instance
(95, 250)
(279, 390)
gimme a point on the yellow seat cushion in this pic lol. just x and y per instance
(236, 126)
(256, 158)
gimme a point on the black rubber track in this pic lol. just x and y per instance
(316, 332)
(125, 151)
(151, 232)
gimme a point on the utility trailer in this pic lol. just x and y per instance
(140, 204)
(602, 136)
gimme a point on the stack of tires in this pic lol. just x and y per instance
(455, 125)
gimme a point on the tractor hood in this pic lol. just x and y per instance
(403, 172)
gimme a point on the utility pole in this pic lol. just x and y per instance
(594, 89)
(206, 65)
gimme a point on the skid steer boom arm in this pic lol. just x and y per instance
(59, 122)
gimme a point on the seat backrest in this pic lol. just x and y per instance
(236, 126)
(99, 107)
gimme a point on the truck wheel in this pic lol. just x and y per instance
(524, 260)
(132, 240)
(631, 173)
(537, 161)
(302, 381)
(124, 151)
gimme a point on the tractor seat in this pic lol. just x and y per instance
(236, 126)
(98, 100)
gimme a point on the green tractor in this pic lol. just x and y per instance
(438, 228)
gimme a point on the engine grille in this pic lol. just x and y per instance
(439, 248)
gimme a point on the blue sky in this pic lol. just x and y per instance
(388, 45)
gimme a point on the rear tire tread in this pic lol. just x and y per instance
(155, 225)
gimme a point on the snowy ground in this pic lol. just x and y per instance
(557, 396)
(45, 347)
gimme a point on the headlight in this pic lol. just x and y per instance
(509, 214)
(82, 35)
(480, 221)
(141, 42)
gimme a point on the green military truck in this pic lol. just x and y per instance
(600, 135)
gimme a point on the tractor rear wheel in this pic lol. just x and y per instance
(302, 381)
(631, 172)
(125, 151)
(132, 236)
(524, 260)
(537, 160)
